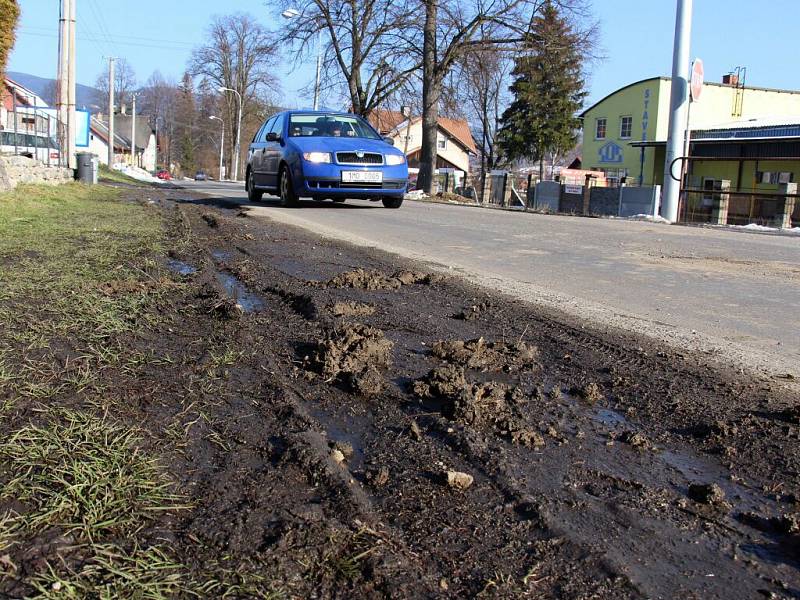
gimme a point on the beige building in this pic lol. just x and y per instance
(454, 143)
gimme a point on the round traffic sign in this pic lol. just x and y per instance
(697, 79)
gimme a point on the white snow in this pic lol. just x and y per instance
(650, 218)
(756, 227)
(136, 173)
(416, 195)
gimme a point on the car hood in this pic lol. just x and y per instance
(343, 144)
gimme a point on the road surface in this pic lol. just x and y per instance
(731, 293)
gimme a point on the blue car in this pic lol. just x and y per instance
(324, 155)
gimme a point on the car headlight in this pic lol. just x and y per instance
(317, 157)
(395, 159)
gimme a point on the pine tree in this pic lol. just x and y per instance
(186, 124)
(548, 91)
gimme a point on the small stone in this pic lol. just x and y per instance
(458, 480)
(443, 584)
(416, 432)
(337, 456)
(378, 477)
(346, 448)
(706, 493)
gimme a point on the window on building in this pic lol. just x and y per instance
(615, 177)
(625, 127)
(774, 177)
(441, 143)
(600, 129)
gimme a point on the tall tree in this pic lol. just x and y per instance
(9, 15)
(239, 54)
(185, 128)
(548, 91)
(364, 46)
(157, 99)
(450, 29)
(124, 84)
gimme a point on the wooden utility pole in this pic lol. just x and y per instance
(72, 159)
(133, 133)
(110, 111)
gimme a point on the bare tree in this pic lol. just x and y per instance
(450, 29)
(364, 48)
(157, 99)
(239, 54)
(124, 84)
(482, 80)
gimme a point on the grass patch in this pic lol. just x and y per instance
(111, 176)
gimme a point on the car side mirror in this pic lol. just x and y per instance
(389, 140)
(273, 137)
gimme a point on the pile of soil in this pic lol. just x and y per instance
(355, 354)
(486, 356)
(352, 309)
(375, 280)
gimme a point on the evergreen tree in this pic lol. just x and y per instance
(186, 124)
(548, 91)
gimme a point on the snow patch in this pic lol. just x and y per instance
(416, 195)
(650, 218)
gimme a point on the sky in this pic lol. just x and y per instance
(636, 38)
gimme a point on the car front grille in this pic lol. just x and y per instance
(351, 158)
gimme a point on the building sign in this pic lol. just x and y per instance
(573, 189)
(610, 153)
(646, 114)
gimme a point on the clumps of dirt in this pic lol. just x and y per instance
(458, 480)
(787, 524)
(590, 392)
(637, 440)
(706, 493)
(473, 312)
(374, 280)
(211, 220)
(377, 476)
(791, 414)
(302, 304)
(355, 354)
(486, 356)
(717, 429)
(217, 304)
(352, 309)
(490, 405)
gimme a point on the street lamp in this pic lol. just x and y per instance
(291, 13)
(221, 143)
(238, 132)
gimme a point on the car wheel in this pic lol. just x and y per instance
(253, 195)
(390, 202)
(288, 197)
(339, 200)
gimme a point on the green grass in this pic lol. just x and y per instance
(112, 176)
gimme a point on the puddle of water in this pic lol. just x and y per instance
(220, 254)
(180, 267)
(608, 417)
(234, 288)
(343, 433)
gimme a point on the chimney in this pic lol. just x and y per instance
(730, 79)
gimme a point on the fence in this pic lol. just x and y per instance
(30, 132)
(724, 207)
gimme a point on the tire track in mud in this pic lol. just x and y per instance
(586, 503)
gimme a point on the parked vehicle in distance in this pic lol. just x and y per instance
(164, 174)
(325, 156)
(201, 176)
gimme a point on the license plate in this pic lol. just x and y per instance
(362, 177)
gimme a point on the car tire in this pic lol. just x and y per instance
(391, 202)
(253, 195)
(288, 195)
(339, 200)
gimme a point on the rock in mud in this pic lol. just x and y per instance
(416, 432)
(458, 480)
(473, 312)
(337, 456)
(346, 448)
(486, 356)
(355, 354)
(352, 309)
(378, 477)
(706, 493)
(211, 220)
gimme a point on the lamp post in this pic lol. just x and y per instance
(291, 13)
(238, 132)
(221, 143)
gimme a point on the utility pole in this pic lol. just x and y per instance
(133, 133)
(678, 108)
(61, 83)
(110, 111)
(72, 159)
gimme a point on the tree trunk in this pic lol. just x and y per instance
(541, 167)
(431, 92)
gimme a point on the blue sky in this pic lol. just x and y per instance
(636, 38)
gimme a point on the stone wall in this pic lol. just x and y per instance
(20, 169)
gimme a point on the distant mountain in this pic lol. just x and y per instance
(84, 95)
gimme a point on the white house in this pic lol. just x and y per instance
(454, 143)
(123, 124)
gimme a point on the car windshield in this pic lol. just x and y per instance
(332, 125)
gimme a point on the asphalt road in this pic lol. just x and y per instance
(726, 291)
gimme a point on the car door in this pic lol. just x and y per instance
(273, 151)
(257, 148)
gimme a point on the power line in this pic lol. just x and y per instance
(129, 37)
(84, 38)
